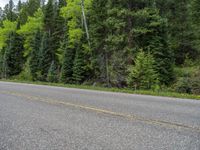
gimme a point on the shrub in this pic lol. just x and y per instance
(183, 85)
(195, 83)
(189, 84)
(52, 73)
(142, 75)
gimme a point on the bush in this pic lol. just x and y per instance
(183, 85)
(190, 84)
(195, 83)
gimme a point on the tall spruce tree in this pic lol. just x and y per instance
(79, 66)
(157, 43)
(13, 57)
(34, 57)
(9, 12)
(49, 17)
(59, 26)
(45, 57)
(50, 14)
(67, 65)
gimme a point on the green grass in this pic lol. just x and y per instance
(125, 90)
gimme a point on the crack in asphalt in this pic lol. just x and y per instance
(104, 111)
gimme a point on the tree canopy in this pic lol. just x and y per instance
(100, 41)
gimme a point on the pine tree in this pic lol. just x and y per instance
(45, 57)
(49, 17)
(159, 46)
(34, 57)
(9, 13)
(67, 65)
(13, 57)
(79, 66)
(50, 14)
(143, 74)
(98, 32)
(59, 26)
(119, 24)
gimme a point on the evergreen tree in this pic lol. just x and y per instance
(34, 57)
(45, 57)
(67, 65)
(9, 13)
(59, 26)
(32, 7)
(179, 29)
(49, 27)
(19, 6)
(143, 74)
(49, 17)
(195, 20)
(27, 9)
(159, 46)
(79, 67)
(98, 32)
(13, 57)
(169, 30)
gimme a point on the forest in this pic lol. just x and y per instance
(136, 44)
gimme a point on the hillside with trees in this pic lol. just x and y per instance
(138, 44)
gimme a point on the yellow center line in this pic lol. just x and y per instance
(98, 110)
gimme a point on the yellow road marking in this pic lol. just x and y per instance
(98, 110)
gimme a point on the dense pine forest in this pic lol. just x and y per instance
(138, 44)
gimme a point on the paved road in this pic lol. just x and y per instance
(34, 117)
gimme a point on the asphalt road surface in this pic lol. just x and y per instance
(34, 117)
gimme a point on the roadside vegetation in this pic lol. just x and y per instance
(162, 93)
(144, 47)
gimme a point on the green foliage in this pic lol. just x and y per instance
(34, 56)
(54, 41)
(189, 82)
(9, 12)
(195, 85)
(195, 20)
(98, 32)
(33, 24)
(5, 30)
(52, 73)
(49, 17)
(13, 56)
(73, 13)
(29, 29)
(25, 74)
(45, 57)
(67, 65)
(183, 85)
(142, 75)
(78, 66)
(117, 69)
